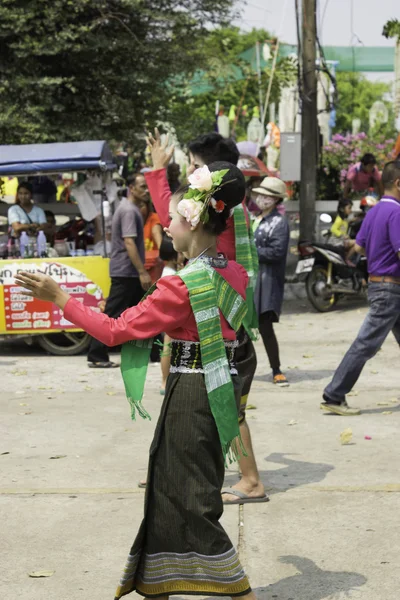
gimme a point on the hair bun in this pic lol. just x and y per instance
(233, 187)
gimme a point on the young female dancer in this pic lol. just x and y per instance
(181, 548)
(236, 243)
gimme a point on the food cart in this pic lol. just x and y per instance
(86, 278)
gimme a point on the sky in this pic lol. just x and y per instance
(369, 17)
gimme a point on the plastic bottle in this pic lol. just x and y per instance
(41, 244)
(23, 243)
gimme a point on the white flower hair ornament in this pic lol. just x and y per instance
(195, 202)
(191, 210)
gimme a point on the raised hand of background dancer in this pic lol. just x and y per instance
(161, 153)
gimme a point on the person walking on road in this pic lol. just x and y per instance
(379, 238)
(129, 278)
(272, 242)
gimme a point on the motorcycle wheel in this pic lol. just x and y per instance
(64, 344)
(322, 303)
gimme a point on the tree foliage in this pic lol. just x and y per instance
(356, 95)
(392, 29)
(342, 152)
(76, 69)
(219, 71)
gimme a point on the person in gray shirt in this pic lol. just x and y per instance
(129, 279)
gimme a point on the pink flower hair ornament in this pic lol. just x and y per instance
(195, 202)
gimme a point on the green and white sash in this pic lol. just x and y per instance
(246, 255)
(209, 292)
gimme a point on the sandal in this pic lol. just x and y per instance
(242, 498)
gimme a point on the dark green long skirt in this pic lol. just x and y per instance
(181, 548)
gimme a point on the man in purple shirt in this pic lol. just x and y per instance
(379, 238)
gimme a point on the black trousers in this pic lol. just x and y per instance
(267, 332)
(124, 293)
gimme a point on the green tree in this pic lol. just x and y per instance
(227, 77)
(392, 29)
(356, 95)
(76, 69)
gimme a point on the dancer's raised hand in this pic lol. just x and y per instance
(161, 153)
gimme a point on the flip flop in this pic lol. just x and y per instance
(142, 485)
(243, 498)
(103, 365)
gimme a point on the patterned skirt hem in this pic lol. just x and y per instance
(240, 588)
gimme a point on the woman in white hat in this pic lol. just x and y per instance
(272, 242)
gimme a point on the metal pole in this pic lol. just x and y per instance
(260, 94)
(103, 196)
(271, 79)
(103, 220)
(309, 127)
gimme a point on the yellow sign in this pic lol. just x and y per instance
(84, 278)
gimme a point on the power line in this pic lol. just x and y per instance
(257, 6)
(321, 25)
(354, 35)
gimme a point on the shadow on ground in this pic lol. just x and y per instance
(371, 411)
(298, 376)
(382, 410)
(311, 583)
(293, 473)
(16, 348)
(294, 304)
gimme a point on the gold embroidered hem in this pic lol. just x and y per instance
(181, 546)
(191, 573)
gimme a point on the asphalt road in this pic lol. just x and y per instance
(70, 460)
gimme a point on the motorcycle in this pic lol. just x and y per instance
(327, 275)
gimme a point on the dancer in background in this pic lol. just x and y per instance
(236, 243)
(181, 547)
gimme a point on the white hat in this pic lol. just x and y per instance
(271, 186)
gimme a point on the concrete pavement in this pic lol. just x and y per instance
(70, 460)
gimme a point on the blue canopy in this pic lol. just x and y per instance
(31, 159)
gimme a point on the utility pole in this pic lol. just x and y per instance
(309, 123)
